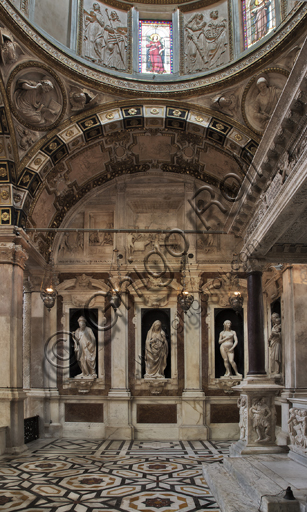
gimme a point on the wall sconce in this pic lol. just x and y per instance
(185, 299)
(48, 290)
(236, 302)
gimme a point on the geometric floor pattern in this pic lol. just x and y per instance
(125, 476)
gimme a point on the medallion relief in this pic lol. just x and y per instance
(37, 99)
(261, 96)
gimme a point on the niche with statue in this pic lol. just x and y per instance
(229, 343)
(156, 347)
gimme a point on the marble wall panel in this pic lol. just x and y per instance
(224, 413)
(55, 20)
(157, 413)
(84, 413)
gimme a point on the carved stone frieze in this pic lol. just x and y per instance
(12, 253)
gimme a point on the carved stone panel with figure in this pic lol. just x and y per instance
(105, 35)
(206, 39)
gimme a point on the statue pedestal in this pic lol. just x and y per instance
(257, 417)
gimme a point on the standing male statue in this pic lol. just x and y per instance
(85, 349)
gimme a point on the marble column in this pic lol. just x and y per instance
(118, 421)
(256, 348)
(257, 399)
(13, 257)
(193, 397)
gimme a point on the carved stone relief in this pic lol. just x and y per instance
(82, 99)
(261, 416)
(227, 103)
(242, 404)
(25, 138)
(297, 429)
(105, 35)
(261, 96)
(10, 50)
(101, 242)
(37, 98)
(206, 40)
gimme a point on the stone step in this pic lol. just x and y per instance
(239, 486)
(226, 490)
(253, 481)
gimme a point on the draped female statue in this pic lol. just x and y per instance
(156, 351)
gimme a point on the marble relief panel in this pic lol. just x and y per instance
(82, 247)
(206, 38)
(71, 245)
(100, 243)
(146, 213)
(105, 35)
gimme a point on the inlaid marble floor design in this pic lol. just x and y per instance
(125, 476)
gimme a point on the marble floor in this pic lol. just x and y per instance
(78, 475)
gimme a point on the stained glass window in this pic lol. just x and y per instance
(155, 47)
(258, 20)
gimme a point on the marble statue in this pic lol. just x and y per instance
(156, 351)
(242, 404)
(264, 102)
(35, 102)
(228, 341)
(275, 344)
(85, 349)
(261, 417)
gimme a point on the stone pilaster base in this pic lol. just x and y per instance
(257, 417)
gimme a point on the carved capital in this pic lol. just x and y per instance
(256, 265)
(13, 254)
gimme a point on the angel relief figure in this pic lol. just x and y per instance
(155, 54)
